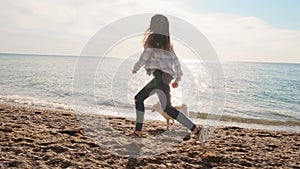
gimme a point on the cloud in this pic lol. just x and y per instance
(250, 39)
(63, 27)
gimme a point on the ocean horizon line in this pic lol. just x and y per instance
(71, 55)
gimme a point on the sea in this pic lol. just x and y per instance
(255, 94)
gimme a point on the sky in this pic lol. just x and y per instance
(277, 13)
(239, 30)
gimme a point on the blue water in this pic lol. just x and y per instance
(268, 91)
(263, 90)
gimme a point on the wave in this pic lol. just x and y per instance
(36, 102)
(235, 119)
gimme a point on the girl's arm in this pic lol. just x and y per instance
(144, 57)
(177, 69)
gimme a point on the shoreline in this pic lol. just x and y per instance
(41, 138)
(201, 117)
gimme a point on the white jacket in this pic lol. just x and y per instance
(165, 61)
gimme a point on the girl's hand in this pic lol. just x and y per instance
(134, 71)
(175, 84)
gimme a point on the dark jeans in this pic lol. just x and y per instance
(159, 85)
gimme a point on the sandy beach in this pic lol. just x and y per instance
(40, 138)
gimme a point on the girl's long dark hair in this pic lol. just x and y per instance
(157, 35)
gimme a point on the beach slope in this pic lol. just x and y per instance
(41, 138)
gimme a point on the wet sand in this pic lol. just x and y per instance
(40, 138)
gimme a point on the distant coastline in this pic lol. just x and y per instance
(71, 55)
